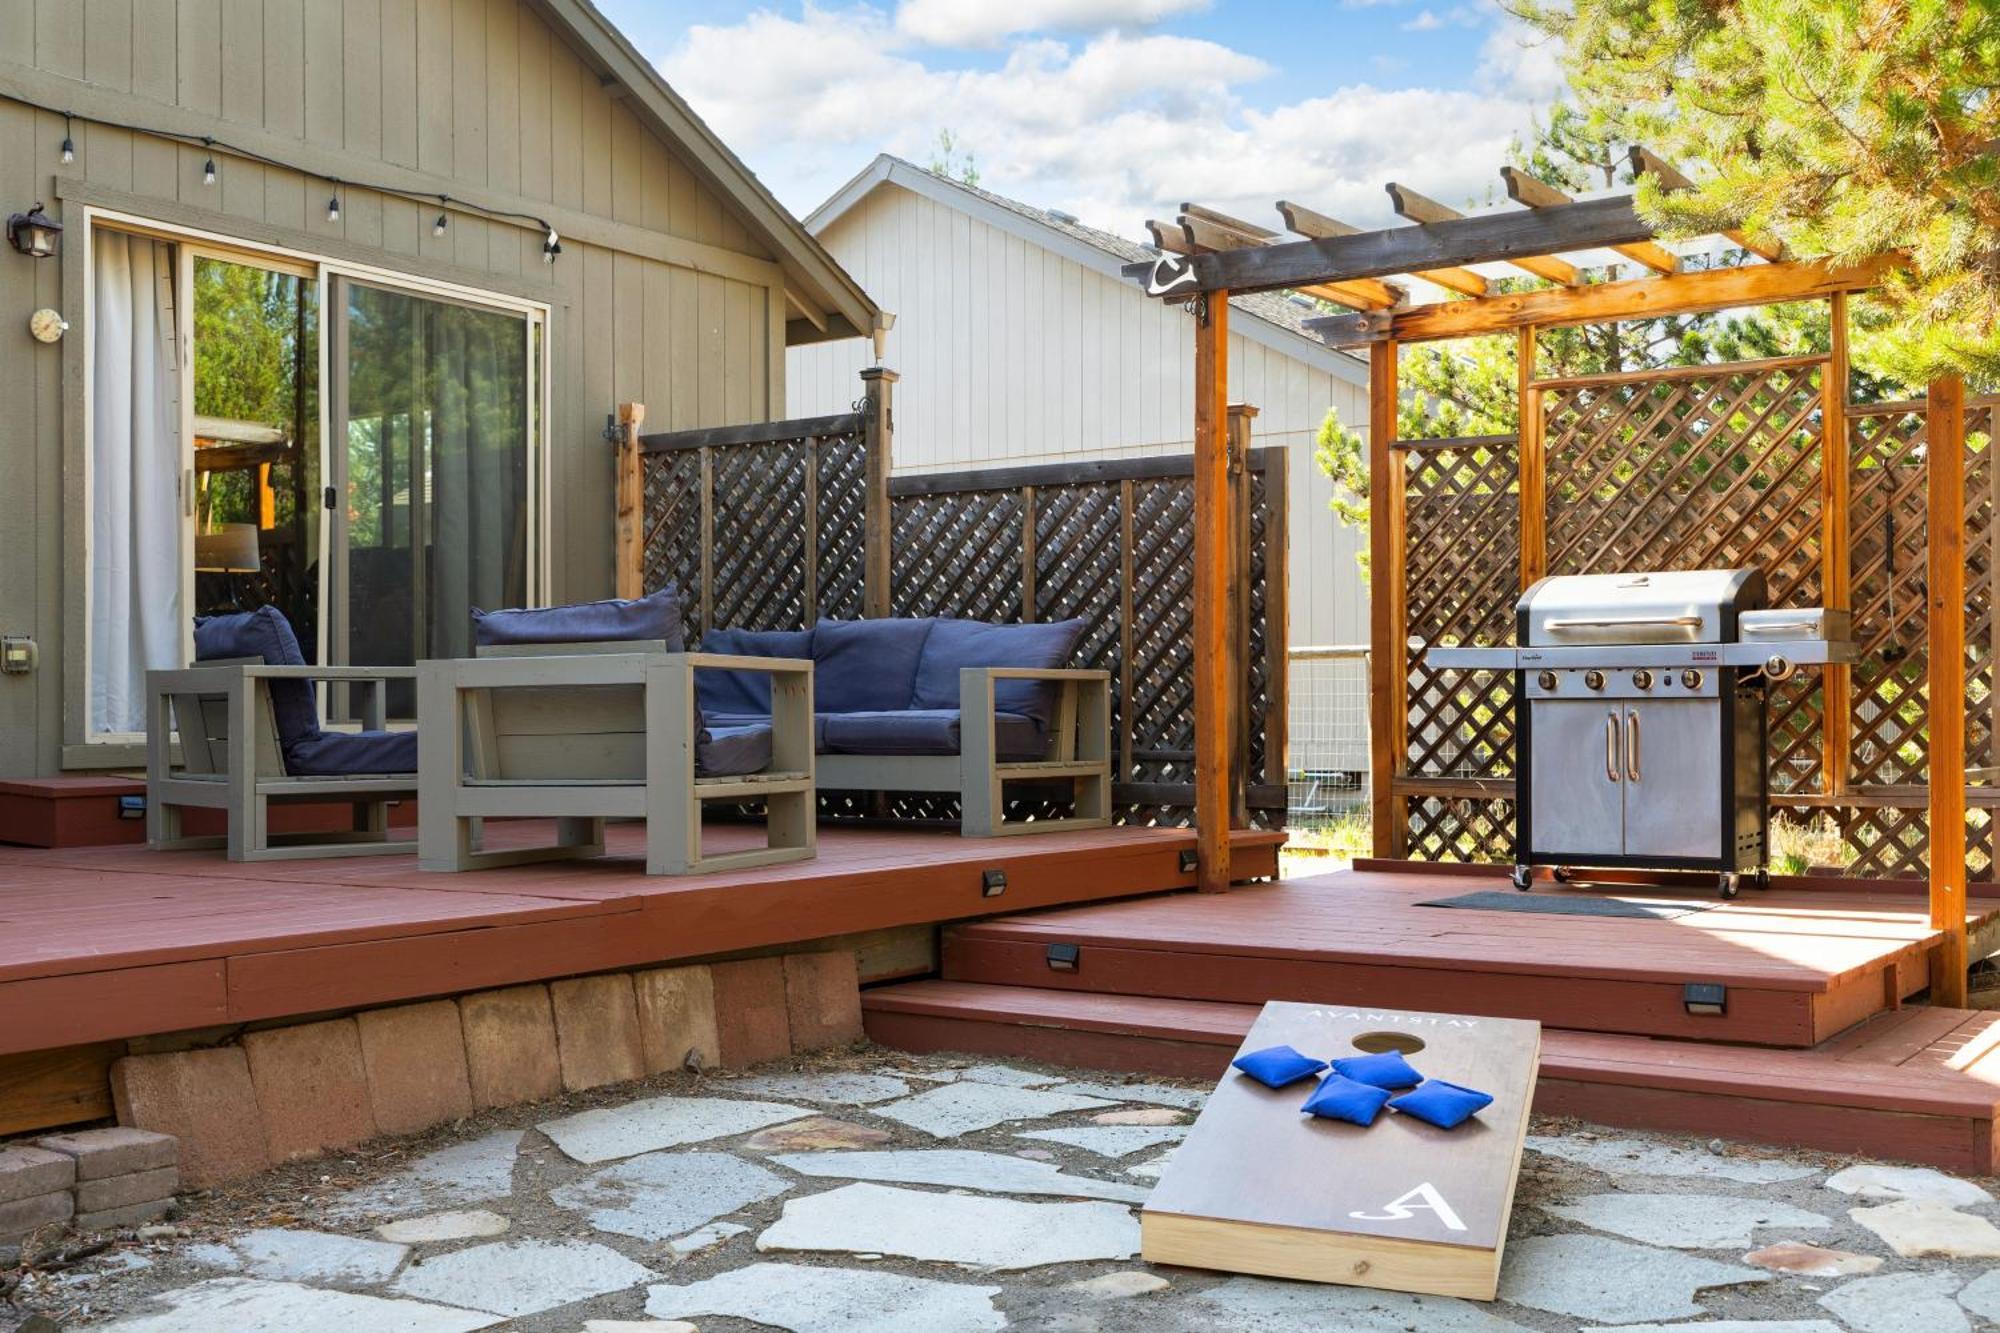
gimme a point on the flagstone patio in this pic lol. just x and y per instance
(868, 1192)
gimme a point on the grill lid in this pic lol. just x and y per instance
(1664, 606)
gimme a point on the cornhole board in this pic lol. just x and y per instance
(1260, 1187)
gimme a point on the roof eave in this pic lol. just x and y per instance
(811, 273)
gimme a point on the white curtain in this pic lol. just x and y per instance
(136, 616)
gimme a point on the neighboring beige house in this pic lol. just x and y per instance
(295, 373)
(1019, 343)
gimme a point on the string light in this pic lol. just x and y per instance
(210, 172)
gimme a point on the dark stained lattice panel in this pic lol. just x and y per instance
(749, 514)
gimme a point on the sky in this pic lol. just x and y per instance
(1114, 110)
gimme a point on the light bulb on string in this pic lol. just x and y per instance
(68, 144)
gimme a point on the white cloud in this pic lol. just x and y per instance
(1115, 129)
(1426, 21)
(981, 22)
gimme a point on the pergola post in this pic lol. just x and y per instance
(1388, 678)
(1944, 469)
(1213, 564)
(628, 524)
(878, 387)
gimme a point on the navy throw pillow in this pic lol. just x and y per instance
(657, 615)
(974, 643)
(866, 666)
(745, 693)
(266, 634)
(1387, 1070)
(1340, 1098)
(1446, 1105)
(1276, 1066)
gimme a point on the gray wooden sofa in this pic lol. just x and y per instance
(240, 732)
(566, 715)
(938, 705)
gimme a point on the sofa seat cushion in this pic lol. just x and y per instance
(715, 720)
(955, 644)
(353, 754)
(917, 731)
(657, 615)
(745, 692)
(733, 750)
(867, 666)
(265, 635)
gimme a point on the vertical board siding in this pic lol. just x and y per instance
(473, 92)
(1014, 354)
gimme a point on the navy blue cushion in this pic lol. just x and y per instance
(1446, 1105)
(1276, 1066)
(657, 615)
(1341, 1098)
(350, 754)
(923, 731)
(266, 635)
(745, 692)
(954, 644)
(1387, 1070)
(714, 720)
(734, 749)
(866, 666)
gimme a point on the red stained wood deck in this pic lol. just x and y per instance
(1816, 1047)
(109, 942)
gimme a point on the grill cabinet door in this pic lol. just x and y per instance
(1673, 758)
(1575, 807)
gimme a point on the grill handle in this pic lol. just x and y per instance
(1616, 622)
(1611, 747)
(1632, 744)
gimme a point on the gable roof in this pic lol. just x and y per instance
(822, 299)
(1276, 319)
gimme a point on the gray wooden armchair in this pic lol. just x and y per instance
(585, 732)
(240, 732)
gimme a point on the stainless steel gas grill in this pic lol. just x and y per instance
(1639, 727)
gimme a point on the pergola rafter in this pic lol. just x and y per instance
(1207, 255)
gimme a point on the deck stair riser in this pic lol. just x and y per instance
(1607, 996)
(1901, 1086)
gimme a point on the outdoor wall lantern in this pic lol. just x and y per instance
(33, 233)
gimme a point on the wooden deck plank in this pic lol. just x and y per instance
(110, 942)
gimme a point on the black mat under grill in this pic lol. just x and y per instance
(1570, 904)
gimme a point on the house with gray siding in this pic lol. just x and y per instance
(344, 292)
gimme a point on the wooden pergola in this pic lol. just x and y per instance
(1207, 255)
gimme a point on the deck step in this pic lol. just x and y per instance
(1348, 935)
(1916, 1084)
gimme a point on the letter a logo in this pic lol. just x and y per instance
(1402, 1209)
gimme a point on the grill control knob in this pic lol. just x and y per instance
(1546, 679)
(1642, 679)
(1594, 679)
(1691, 678)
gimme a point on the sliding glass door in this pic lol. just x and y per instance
(431, 460)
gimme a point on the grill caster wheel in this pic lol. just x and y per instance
(1760, 880)
(1729, 884)
(1523, 877)
(1560, 874)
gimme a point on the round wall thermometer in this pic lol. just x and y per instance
(47, 325)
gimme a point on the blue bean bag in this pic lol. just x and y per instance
(1277, 1066)
(1387, 1070)
(1446, 1105)
(1341, 1098)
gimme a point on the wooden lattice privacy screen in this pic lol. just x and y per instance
(1691, 468)
(776, 525)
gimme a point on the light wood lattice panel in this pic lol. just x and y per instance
(1713, 470)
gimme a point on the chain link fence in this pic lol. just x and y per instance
(1326, 770)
